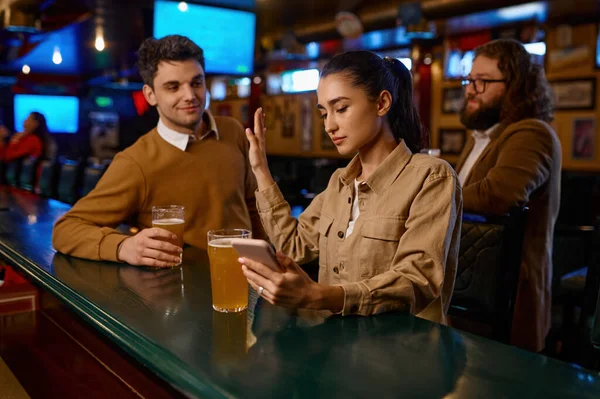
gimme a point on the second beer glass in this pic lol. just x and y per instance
(229, 285)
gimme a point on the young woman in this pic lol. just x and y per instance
(386, 229)
(34, 141)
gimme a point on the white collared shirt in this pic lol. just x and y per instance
(482, 139)
(181, 140)
(355, 210)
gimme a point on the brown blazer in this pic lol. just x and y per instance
(521, 166)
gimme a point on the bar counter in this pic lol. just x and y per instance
(165, 321)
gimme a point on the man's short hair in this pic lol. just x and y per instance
(169, 48)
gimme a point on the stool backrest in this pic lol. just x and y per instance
(48, 178)
(91, 176)
(488, 270)
(68, 181)
(12, 172)
(29, 173)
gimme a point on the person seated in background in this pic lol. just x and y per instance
(4, 134)
(513, 159)
(387, 227)
(190, 158)
(34, 141)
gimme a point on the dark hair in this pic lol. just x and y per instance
(169, 48)
(528, 94)
(42, 129)
(42, 132)
(374, 74)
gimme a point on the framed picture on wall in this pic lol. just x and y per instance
(452, 100)
(584, 138)
(575, 94)
(452, 141)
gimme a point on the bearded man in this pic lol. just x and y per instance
(514, 159)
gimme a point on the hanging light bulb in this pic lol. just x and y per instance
(183, 7)
(56, 57)
(26, 69)
(99, 43)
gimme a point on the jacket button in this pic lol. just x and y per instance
(336, 270)
(341, 234)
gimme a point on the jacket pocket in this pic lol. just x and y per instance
(379, 243)
(325, 224)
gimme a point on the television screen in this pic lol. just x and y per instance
(299, 81)
(226, 36)
(458, 64)
(57, 52)
(61, 112)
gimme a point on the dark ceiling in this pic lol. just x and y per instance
(128, 22)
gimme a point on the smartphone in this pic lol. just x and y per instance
(257, 250)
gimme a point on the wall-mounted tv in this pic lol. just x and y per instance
(64, 43)
(459, 63)
(61, 112)
(226, 36)
(299, 81)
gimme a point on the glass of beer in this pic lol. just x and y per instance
(229, 285)
(171, 218)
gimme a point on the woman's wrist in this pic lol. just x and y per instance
(264, 179)
(325, 297)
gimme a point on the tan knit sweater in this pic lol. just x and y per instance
(212, 179)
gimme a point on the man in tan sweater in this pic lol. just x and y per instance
(191, 158)
(514, 159)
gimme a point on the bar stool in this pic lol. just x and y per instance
(576, 296)
(68, 181)
(48, 178)
(91, 176)
(488, 270)
(13, 171)
(28, 175)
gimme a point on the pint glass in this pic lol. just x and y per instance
(229, 285)
(171, 218)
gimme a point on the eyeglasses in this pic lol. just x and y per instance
(479, 84)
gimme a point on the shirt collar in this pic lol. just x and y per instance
(385, 174)
(478, 134)
(181, 140)
(212, 126)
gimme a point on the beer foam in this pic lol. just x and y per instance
(164, 222)
(221, 243)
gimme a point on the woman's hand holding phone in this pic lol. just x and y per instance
(281, 281)
(275, 276)
(257, 250)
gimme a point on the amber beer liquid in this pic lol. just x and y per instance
(229, 285)
(229, 338)
(176, 227)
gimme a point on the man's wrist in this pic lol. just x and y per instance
(119, 250)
